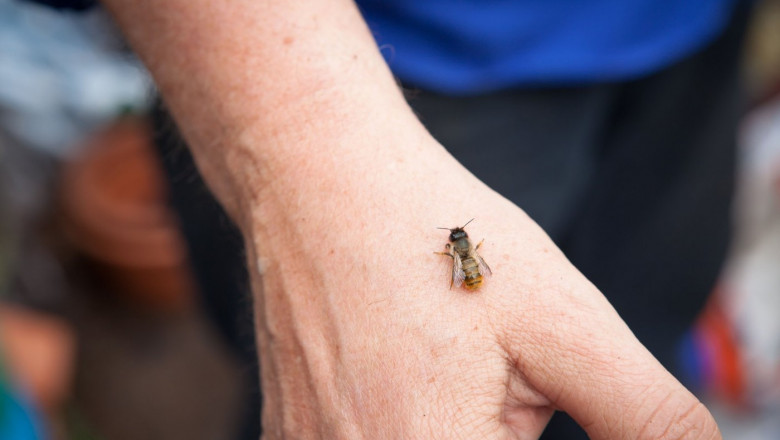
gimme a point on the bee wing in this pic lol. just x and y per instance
(484, 269)
(457, 271)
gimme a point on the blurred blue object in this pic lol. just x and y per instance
(469, 47)
(62, 75)
(18, 419)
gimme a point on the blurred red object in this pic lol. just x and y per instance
(39, 350)
(115, 213)
(726, 365)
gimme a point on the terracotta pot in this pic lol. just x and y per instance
(115, 213)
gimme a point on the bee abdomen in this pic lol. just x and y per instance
(472, 279)
(473, 283)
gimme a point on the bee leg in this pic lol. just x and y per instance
(449, 254)
(480, 244)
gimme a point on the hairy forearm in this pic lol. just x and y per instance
(268, 88)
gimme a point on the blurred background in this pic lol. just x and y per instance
(104, 331)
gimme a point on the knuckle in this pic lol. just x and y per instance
(693, 421)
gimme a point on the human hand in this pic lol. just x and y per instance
(361, 336)
(298, 127)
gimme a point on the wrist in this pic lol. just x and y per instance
(323, 147)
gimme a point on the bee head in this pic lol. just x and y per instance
(459, 232)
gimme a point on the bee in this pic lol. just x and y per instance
(467, 265)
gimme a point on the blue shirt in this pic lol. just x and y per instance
(472, 46)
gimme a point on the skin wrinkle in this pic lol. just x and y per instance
(521, 393)
(556, 392)
(630, 417)
(660, 406)
(654, 396)
(683, 430)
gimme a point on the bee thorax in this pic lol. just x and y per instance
(462, 246)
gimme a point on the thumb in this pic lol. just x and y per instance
(592, 367)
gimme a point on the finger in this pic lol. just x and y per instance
(592, 367)
(526, 412)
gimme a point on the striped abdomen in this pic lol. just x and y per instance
(473, 278)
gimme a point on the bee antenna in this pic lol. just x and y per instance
(467, 223)
(442, 228)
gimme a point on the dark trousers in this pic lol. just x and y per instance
(633, 180)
